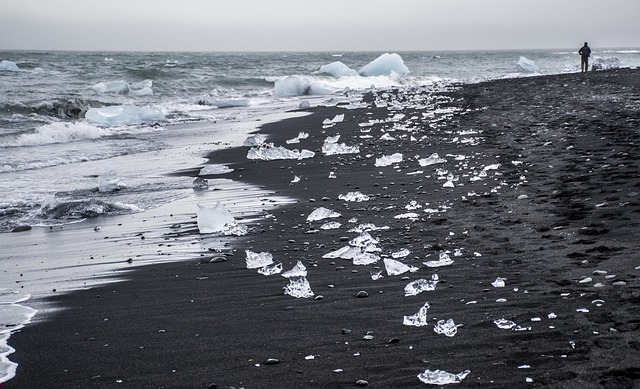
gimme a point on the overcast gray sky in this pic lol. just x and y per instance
(307, 25)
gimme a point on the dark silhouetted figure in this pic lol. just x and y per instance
(585, 52)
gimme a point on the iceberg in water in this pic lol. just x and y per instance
(338, 69)
(8, 66)
(119, 86)
(527, 65)
(124, 115)
(299, 86)
(218, 219)
(385, 65)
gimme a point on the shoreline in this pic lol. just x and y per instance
(193, 324)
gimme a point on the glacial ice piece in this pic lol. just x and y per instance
(299, 288)
(258, 260)
(332, 139)
(418, 286)
(606, 63)
(301, 135)
(336, 119)
(367, 227)
(395, 268)
(339, 148)
(110, 183)
(254, 140)
(387, 160)
(200, 183)
(224, 103)
(441, 377)
(385, 65)
(431, 160)
(299, 86)
(504, 324)
(346, 252)
(419, 319)
(330, 226)
(299, 270)
(447, 328)
(269, 270)
(354, 196)
(119, 86)
(338, 69)
(363, 240)
(364, 258)
(400, 254)
(142, 92)
(443, 260)
(527, 65)
(124, 115)
(269, 152)
(214, 219)
(408, 215)
(498, 283)
(208, 170)
(8, 66)
(322, 213)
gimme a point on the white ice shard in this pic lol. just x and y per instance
(421, 285)
(354, 196)
(269, 270)
(408, 215)
(269, 152)
(339, 148)
(119, 86)
(330, 226)
(365, 258)
(338, 69)
(498, 283)
(8, 66)
(322, 213)
(124, 115)
(446, 327)
(419, 319)
(332, 139)
(299, 288)
(367, 227)
(364, 240)
(443, 260)
(336, 119)
(431, 160)
(440, 377)
(213, 219)
(142, 92)
(504, 324)
(528, 66)
(299, 86)
(254, 140)
(257, 260)
(299, 270)
(395, 268)
(208, 170)
(385, 65)
(301, 135)
(387, 160)
(400, 254)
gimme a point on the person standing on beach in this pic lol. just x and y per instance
(585, 52)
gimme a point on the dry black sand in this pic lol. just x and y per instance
(567, 209)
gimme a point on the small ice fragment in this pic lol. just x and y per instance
(376, 274)
(419, 319)
(529, 380)
(504, 324)
(295, 179)
(441, 377)
(200, 183)
(214, 169)
(330, 226)
(299, 270)
(365, 259)
(412, 206)
(418, 286)
(582, 310)
(585, 280)
(524, 367)
(443, 260)
(354, 196)
(409, 215)
(431, 160)
(299, 288)
(498, 283)
(552, 315)
(269, 270)
(310, 357)
(400, 254)
(501, 300)
(387, 160)
(363, 240)
(339, 148)
(395, 268)
(322, 213)
(257, 260)
(447, 328)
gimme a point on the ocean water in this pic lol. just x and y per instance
(58, 167)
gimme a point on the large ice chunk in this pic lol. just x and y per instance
(218, 219)
(385, 65)
(387, 160)
(124, 115)
(299, 270)
(338, 69)
(419, 319)
(606, 63)
(257, 260)
(254, 140)
(322, 213)
(299, 86)
(443, 260)
(8, 66)
(119, 86)
(528, 66)
(418, 286)
(431, 160)
(395, 268)
(299, 288)
(270, 152)
(440, 377)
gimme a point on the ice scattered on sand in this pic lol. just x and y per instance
(299, 270)
(440, 377)
(395, 268)
(387, 160)
(254, 140)
(257, 260)
(400, 254)
(419, 319)
(366, 227)
(270, 152)
(331, 147)
(443, 260)
(408, 215)
(269, 270)
(336, 119)
(504, 324)
(447, 328)
(295, 179)
(498, 283)
(421, 285)
(218, 219)
(301, 135)
(354, 197)
(330, 226)
(431, 160)
(299, 288)
(322, 213)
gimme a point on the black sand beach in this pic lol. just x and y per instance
(557, 220)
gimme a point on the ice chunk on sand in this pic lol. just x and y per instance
(400, 254)
(214, 169)
(258, 260)
(339, 148)
(8, 66)
(387, 160)
(528, 66)
(447, 328)
(354, 196)
(269, 270)
(299, 270)
(440, 377)
(504, 324)
(269, 152)
(419, 319)
(338, 69)
(254, 140)
(299, 288)
(443, 260)
(498, 283)
(431, 160)
(385, 65)
(330, 226)
(214, 219)
(336, 119)
(322, 213)
(395, 268)
(124, 115)
(301, 135)
(606, 63)
(418, 286)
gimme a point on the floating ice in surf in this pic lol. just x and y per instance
(528, 66)
(299, 270)
(214, 169)
(299, 288)
(606, 63)
(338, 69)
(387, 160)
(418, 286)
(498, 283)
(257, 260)
(431, 160)
(385, 65)
(8, 66)
(269, 152)
(395, 268)
(254, 140)
(269, 270)
(124, 115)
(53, 208)
(322, 213)
(447, 328)
(110, 183)
(441, 377)
(419, 319)
(119, 86)
(218, 219)
(354, 196)
(299, 86)
(443, 260)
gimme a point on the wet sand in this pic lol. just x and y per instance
(540, 189)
